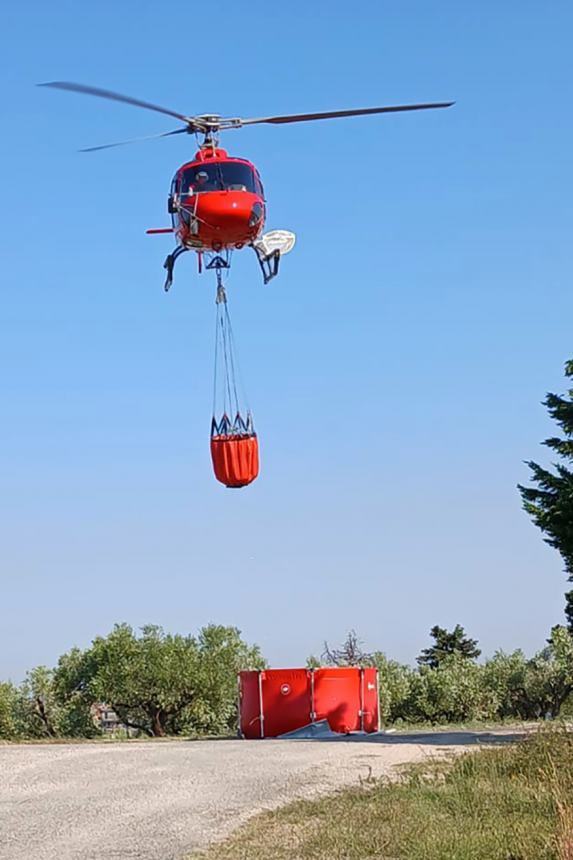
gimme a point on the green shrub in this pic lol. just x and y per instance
(455, 692)
(10, 711)
(395, 682)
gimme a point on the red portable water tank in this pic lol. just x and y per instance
(276, 701)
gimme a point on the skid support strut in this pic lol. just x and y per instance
(269, 263)
(170, 263)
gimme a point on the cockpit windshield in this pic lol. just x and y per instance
(218, 176)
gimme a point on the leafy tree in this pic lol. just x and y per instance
(158, 683)
(40, 709)
(535, 688)
(505, 676)
(550, 502)
(10, 724)
(558, 681)
(73, 690)
(222, 654)
(569, 610)
(446, 644)
(395, 682)
(147, 680)
(452, 692)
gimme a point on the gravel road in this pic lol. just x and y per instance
(160, 800)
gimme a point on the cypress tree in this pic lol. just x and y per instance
(549, 502)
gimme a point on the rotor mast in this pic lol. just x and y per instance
(211, 132)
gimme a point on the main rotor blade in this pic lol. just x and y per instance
(108, 94)
(305, 117)
(134, 140)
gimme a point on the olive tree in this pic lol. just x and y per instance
(148, 680)
(159, 683)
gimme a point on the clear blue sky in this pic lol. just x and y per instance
(396, 368)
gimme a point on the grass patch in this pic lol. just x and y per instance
(509, 803)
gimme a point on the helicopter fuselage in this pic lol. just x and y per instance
(216, 202)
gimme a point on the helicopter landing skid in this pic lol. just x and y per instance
(269, 263)
(169, 265)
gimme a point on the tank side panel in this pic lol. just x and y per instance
(337, 698)
(370, 704)
(250, 718)
(287, 700)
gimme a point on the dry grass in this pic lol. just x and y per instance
(509, 803)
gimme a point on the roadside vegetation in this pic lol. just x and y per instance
(450, 686)
(511, 802)
(154, 684)
(158, 685)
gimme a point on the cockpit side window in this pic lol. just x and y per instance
(259, 185)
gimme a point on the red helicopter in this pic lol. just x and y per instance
(217, 205)
(216, 201)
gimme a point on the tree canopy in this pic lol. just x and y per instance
(174, 684)
(550, 502)
(160, 683)
(447, 644)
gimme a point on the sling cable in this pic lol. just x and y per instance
(234, 443)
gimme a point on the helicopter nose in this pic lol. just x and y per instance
(227, 208)
(230, 217)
